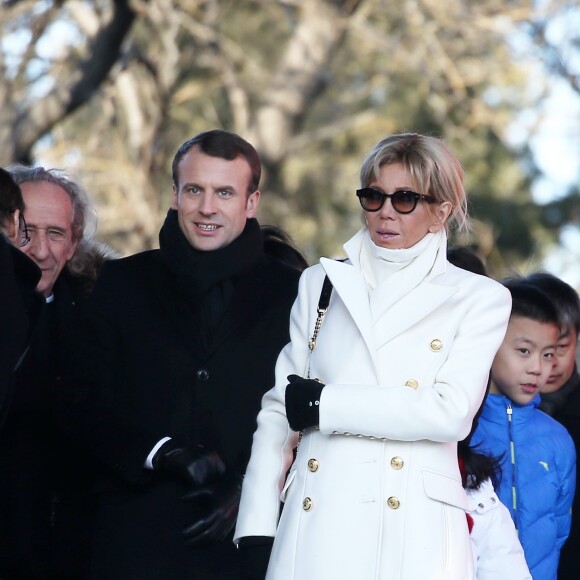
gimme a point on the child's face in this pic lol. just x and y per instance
(524, 361)
(563, 361)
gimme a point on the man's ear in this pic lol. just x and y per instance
(174, 200)
(252, 204)
(440, 216)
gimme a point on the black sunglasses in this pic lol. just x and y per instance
(403, 201)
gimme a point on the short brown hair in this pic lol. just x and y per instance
(229, 146)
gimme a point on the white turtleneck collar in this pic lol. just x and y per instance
(378, 264)
(390, 275)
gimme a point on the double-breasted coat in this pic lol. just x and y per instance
(146, 375)
(375, 491)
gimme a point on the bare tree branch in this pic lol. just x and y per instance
(67, 96)
(300, 76)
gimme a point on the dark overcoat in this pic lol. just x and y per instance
(145, 375)
(569, 416)
(20, 307)
(46, 480)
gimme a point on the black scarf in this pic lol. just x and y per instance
(198, 270)
(207, 279)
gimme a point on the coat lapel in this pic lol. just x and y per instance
(350, 286)
(409, 310)
(178, 310)
(417, 304)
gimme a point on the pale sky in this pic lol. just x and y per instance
(557, 152)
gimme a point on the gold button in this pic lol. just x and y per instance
(436, 345)
(313, 465)
(393, 503)
(397, 462)
(412, 383)
(307, 504)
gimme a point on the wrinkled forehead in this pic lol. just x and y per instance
(46, 205)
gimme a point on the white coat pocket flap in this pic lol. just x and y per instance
(446, 489)
(287, 484)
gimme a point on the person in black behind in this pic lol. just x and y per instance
(466, 258)
(182, 343)
(20, 303)
(561, 395)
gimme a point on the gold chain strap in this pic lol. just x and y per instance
(320, 312)
(320, 316)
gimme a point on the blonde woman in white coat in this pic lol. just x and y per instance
(401, 362)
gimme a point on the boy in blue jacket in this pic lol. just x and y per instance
(537, 455)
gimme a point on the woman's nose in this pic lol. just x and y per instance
(387, 211)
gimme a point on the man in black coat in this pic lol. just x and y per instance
(46, 499)
(182, 343)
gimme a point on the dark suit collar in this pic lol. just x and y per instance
(164, 284)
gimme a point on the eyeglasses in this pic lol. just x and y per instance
(403, 201)
(23, 231)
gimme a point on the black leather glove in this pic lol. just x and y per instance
(222, 500)
(193, 466)
(303, 402)
(254, 556)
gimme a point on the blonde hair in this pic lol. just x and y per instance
(435, 170)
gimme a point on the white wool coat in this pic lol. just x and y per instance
(375, 491)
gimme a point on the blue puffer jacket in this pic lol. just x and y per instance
(542, 473)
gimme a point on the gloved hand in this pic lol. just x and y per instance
(193, 466)
(254, 554)
(222, 499)
(303, 402)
